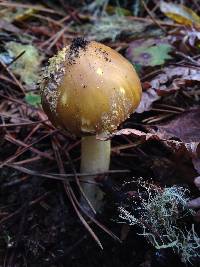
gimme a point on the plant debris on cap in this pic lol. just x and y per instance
(51, 79)
(54, 72)
(75, 47)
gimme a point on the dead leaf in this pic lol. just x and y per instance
(149, 52)
(180, 13)
(186, 39)
(127, 131)
(7, 26)
(169, 80)
(185, 127)
(148, 98)
(194, 203)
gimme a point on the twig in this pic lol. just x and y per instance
(21, 124)
(61, 177)
(16, 58)
(24, 149)
(152, 17)
(163, 23)
(71, 197)
(188, 58)
(57, 36)
(20, 143)
(78, 182)
(14, 78)
(58, 23)
(165, 110)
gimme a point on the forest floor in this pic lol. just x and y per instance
(155, 153)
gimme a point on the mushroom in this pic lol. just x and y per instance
(89, 89)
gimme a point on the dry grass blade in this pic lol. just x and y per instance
(68, 191)
(13, 77)
(39, 8)
(24, 149)
(77, 204)
(33, 173)
(16, 58)
(21, 124)
(95, 221)
(61, 177)
(78, 182)
(35, 150)
(152, 17)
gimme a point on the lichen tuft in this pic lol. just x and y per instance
(159, 215)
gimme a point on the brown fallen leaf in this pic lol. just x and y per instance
(186, 38)
(197, 182)
(195, 203)
(185, 127)
(128, 131)
(148, 98)
(171, 79)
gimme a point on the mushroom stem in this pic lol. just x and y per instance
(95, 157)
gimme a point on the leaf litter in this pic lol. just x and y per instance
(180, 13)
(150, 52)
(39, 164)
(169, 80)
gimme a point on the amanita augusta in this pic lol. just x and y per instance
(88, 89)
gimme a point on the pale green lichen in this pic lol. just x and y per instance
(28, 64)
(158, 215)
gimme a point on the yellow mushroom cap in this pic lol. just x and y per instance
(89, 88)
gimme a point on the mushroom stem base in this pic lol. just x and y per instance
(95, 157)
